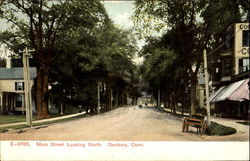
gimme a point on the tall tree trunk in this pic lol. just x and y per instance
(42, 91)
(45, 109)
(122, 98)
(164, 100)
(107, 98)
(61, 108)
(98, 97)
(171, 102)
(39, 85)
(182, 106)
(158, 98)
(174, 102)
(111, 95)
(193, 95)
(117, 98)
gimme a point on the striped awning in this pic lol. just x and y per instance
(215, 93)
(241, 93)
(237, 91)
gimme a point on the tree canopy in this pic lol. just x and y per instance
(76, 45)
(187, 28)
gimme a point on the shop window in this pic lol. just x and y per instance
(245, 37)
(19, 86)
(243, 65)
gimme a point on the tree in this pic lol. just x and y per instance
(41, 25)
(102, 55)
(191, 25)
(162, 71)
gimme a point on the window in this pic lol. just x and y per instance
(226, 67)
(228, 42)
(19, 100)
(243, 65)
(19, 86)
(245, 37)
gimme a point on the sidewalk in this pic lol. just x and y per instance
(231, 123)
(224, 121)
(177, 112)
(44, 120)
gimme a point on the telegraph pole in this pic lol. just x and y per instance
(98, 97)
(206, 85)
(27, 85)
(159, 98)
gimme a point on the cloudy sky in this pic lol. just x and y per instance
(120, 12)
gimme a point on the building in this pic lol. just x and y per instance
(230, 72)
(12, 88)
(200, 91)
(241, 48)
(232, 58)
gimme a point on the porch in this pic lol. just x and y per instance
(11, 102)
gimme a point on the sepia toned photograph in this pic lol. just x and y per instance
(124, 79)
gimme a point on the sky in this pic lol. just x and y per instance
(120, 13)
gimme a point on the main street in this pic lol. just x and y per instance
(123, 124)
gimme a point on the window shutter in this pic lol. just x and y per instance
(16, 86)
(23, 85)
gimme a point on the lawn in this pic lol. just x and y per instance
(5, 119)
(16, 127)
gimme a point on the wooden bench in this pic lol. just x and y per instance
(196, 121)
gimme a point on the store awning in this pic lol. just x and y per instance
(216, 98)
(236, 91)
(241, 93)
(229, 90)
(215, 93)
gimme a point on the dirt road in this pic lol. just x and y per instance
(123, 124)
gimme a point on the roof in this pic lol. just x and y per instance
(15, 73)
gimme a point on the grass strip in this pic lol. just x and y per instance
(244, 123)
(17, 127)
(6, 119)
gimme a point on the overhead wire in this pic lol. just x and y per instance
(221, 45)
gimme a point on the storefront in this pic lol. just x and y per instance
(232, 100)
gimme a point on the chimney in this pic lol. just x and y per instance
(8, 62)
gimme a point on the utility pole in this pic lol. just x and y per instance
(111, 96)
(27, 85)
(206, 85)
(159, 98)
(98, 97)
